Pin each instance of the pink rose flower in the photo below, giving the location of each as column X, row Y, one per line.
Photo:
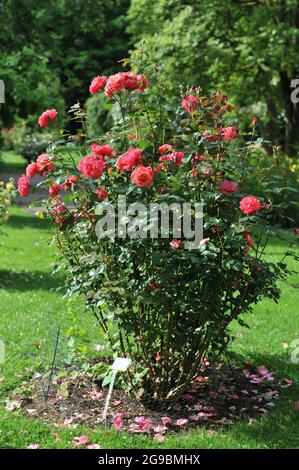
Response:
column 176, row 244
column 190, row 104
column 126, row 161
column 101, row 193
column 31, row 170
column 47, row 116
column 165, row 148
column 142, row 176
column 91, row 166
column 250, row 205
column 101, row 150
column 229, row 133
column 228, row 187
column 44, row 164
column 176, row 157
column 54, row 190
column 97, row 84
column 23, row 186
column 125, row 81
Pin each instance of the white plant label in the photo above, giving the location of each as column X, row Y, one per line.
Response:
column 121, row 364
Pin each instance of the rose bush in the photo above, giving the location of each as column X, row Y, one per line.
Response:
column 165, row 306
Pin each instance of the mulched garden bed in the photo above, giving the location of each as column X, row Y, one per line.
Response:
column 218, row 397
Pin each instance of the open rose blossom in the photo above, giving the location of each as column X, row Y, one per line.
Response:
column 190, row 104
column 47, row 116
column 101, row 193
column 175, row 157
column 23, row 186
column 250, row 205
column 125, row 81
column 175, row 244
column 91, row 166
column 97, row 84
column 229, row 133
column 142, row 176
column 44, row 164
column 54, row 190
column 128, row 160
column 102, row 150
column 228, row 187
column 165, row 148
column 31, row 170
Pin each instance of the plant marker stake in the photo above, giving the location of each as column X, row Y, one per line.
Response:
column 120, row 364
column 53, row 362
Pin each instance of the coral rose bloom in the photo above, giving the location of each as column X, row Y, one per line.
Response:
column 127, row 160
column 44, row 164
column 47, row 116
column 97, row 84
column 125, row 81
column 250, row 205
column 165, row 148
column 142, row 176
column 102, row 150
column 229, row 133
column 228, row 187
column 92, row 167
column 190, row 104
column 23, row 186
column 31, row 170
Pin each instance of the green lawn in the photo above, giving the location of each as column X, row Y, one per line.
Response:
column 11, row 162
column 30, row 311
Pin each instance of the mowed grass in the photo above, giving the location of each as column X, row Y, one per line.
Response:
column 30, row 310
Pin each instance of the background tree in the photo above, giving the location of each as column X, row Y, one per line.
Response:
column 248, row 48
column 55, row 48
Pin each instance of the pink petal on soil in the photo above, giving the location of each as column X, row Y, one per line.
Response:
column 263, row 370
column 80, row 441
column 166, row 420
column 181, row 422
column 159, row 437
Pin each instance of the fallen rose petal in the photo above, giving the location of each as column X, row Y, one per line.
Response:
column 297, row 406
column 263, row 370
column 246, row 372
column 80, row 441
column 159, row 429
column 188, row 397
column 181, row 422
column 159, row 437
column 33, row 446
column 2, row 379
column 166, row 420
column 93, row 446
column 116, row 402
column 263, row 410
column 36, row 376
column 285, row 383
column 94, row 395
